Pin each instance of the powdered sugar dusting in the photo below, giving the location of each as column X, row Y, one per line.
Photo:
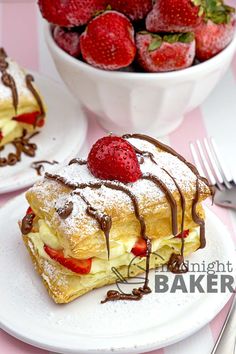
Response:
column 107, row 200
column 19, row 77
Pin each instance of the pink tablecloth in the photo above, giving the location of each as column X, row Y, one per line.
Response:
column 21, row 35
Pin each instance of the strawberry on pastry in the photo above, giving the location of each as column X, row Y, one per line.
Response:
column 113, row 158
column 183, row 234
column 70, row 13
column 32, row 118
column 140, row 248
column 79, row 266
column 174, row 16
column 68, row 40
column 215, row 32
column 108, row 41
column 165, row 53
column 134, row 9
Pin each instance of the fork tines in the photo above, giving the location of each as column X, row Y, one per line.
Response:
column 210, row 164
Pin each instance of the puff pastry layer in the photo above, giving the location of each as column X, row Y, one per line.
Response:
column 80, row 236
column 20, row 101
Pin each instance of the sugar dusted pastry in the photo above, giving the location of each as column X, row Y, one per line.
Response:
column 134, row 202
column 21, row 107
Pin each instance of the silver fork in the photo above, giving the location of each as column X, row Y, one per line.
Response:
column 211, row 165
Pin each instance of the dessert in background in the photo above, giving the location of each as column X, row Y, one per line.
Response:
column 22, row 112
column 159, row 31
column 133, row 205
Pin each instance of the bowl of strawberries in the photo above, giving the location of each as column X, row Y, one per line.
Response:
column 139, row 65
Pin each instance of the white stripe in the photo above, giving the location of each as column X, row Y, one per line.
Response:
column 219, row 112
column 201, row 342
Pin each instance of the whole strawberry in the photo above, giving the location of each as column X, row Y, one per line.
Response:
column 134, row 9
column 108, row 41
column 67, row 40
column 70, row 13
column 174, row 16
column 165, row 53
column 113, row 158
column 216, row 30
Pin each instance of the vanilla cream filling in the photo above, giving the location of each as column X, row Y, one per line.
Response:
column 120, row 254
column 11, row 129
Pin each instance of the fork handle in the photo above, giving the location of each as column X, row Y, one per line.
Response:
column 226, row 340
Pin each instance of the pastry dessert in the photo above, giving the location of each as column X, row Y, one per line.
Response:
column 22, row 110
column 134, row 205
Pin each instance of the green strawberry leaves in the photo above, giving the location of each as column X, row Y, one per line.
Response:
column 157, row 39
column 214, row 10
column 218, row 12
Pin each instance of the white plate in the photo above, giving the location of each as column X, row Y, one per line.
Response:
column 60, row 139
column 86, row 326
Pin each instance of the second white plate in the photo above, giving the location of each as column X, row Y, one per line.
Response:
column 60, row 139
column 86, row 326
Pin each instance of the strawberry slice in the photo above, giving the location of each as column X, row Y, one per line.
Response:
column 30, row 118
column 1, row 136
column 140, row 248
column 80, row 266
column 29, row 211
column 184, row 234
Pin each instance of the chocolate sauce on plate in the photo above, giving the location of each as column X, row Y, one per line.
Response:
column 22, row 146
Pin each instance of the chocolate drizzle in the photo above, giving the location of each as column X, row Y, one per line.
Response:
column 28, row 80
column 176, row 263
column 196, row 217
column 66, row 210
column 168, row 149
column 171, row 151
column 78, row 161
column 27, row 223
column 137, row 294
column 143, row 154
column 104, row 220
column 169, row 197
column 122, row 188
column 22, row 145
column 39, row 165
column 7, row 79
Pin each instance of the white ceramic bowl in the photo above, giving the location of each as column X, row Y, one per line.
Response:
column 139, row 102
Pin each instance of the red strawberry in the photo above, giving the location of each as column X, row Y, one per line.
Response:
column 29, row 211
column 30, row 118
column 134, row 9
column 174, row 16
column 113, row 158
column 167, row 53
column 184, row 234
column 212, row 38
column 1, row 136
column 140, row 248
column 80, row 266
column 108, row 41
column 70, row 13
column 67, row 40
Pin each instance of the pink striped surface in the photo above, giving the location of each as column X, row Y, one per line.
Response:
column 19, row 35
